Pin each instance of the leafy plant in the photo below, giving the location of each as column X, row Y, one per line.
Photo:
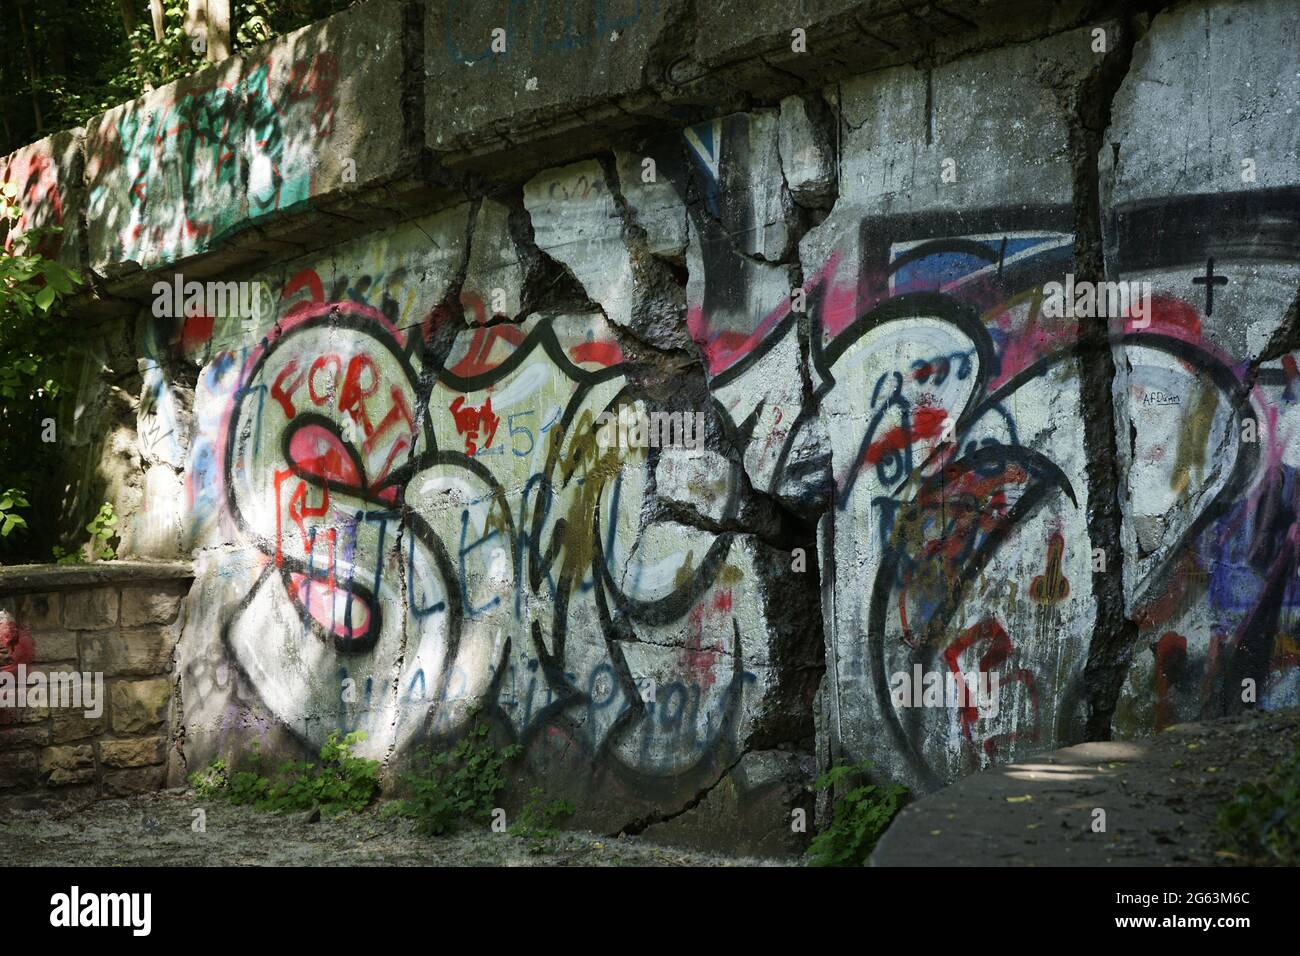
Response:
column 858, row 819
column 538, row 818
column 211, row 781
column 452, row 788
column 343, row 781
column 155, row 61
column 9, row 518
column 1262, row 820
column 31, row 349
column 30, row 282
column 101, row 530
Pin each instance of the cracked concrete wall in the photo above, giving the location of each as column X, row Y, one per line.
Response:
column 1206, row 406
column 397, row 496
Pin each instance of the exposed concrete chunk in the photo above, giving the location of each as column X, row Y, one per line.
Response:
column 155, row 529
column 693, row 479
column 980, row 112
column 655, row 204
column 737, row 158
column 494, row 281
column 807, row 154
column 575, row 221
column 1212, row 84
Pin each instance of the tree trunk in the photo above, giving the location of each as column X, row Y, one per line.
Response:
column 159, row 25
column 196, row 20
column 129, row 20
column 53, row 14
column 32, row 75
column 218, row 30
column 129, row 23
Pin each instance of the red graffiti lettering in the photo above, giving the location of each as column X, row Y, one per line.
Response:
column 469, row 420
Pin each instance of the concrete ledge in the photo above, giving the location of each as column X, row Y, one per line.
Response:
column 27, row 578
column 199, row 164
column 376, row 113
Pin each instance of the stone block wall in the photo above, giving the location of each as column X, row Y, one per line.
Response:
column 116, row 626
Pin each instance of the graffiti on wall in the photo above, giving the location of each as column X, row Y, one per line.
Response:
column 431, row 528
column 34, row 172
column 433, row 535
column 950, row 400
column 204, row 162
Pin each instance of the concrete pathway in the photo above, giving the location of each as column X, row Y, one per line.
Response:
column 1160, row 799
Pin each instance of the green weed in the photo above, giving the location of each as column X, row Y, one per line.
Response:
column 859, row 817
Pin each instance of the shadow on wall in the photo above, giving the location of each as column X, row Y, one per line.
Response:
column 180, row 170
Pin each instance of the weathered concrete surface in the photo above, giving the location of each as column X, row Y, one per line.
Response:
column 48, row 175
column 1160, row 798
column 547, row 72
column 22, row 578
column 955, row 183
column 393, row 485
column 306, row 121
column 1201, row 165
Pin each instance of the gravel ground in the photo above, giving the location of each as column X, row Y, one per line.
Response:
column 155, row 830
column 1160, row 797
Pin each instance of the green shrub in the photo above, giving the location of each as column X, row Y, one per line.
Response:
column 10, row 501
column 450, row 789
column 859, row 817
column 35, row 343
column 1262, row 820
column 343, row 781
column 538, row 817
column 211, row 781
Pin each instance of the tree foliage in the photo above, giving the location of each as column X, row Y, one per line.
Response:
column 65, row 61
column 33, row 349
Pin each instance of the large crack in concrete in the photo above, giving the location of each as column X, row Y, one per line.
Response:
column 642, row 823
column 1114, row 633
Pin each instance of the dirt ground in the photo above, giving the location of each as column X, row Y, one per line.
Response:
column 1161, row 797
column 156, row 830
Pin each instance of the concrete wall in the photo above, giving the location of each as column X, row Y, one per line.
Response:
column 391, row 487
